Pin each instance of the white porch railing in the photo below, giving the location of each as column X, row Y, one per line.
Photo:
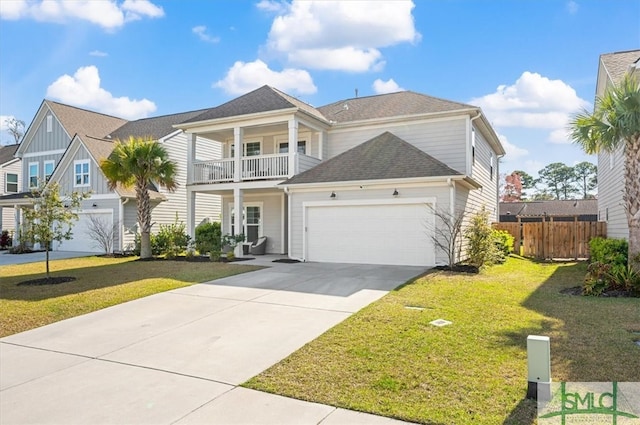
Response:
column 259, row 167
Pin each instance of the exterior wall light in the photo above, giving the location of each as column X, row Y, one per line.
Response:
column 395, row 192
column 333, row 195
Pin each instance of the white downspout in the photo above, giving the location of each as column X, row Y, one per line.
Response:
column 286, row 190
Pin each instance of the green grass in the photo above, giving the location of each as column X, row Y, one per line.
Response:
column 388, row 360
column 100, row 282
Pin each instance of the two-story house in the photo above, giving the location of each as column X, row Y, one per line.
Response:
column 611, row 206
column 66, row 144
column 10, row 172
column 356, row 181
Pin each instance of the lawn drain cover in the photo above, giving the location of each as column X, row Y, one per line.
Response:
column 413, row 307
column 440, row 323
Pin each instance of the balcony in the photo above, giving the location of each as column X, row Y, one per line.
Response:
column 259, row 167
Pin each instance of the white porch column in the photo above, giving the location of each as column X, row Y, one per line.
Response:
column 238, row 210
column 17, row 233
column 293, row 147
column 191, row 213
column 322, row 136
column 191, row 156
column 237, row 142
column 1, row 213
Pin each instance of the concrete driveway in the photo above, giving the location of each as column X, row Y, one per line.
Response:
column 33, row 257
column 178, row 357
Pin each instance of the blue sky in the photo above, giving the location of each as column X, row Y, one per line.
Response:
column 528, row 64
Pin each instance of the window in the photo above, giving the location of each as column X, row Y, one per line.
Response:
column 49, row 123
column 11, row 181
column 81, row 173
column 33, row 175
column 249, row 148
column 48, row 169
column 284, row 147
column 252, row 224
column 606, row 213
column 473, row 146
column 491, row 167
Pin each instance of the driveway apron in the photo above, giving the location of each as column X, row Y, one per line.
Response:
column 179, row 356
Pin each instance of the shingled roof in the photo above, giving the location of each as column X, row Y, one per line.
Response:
column 388, row 105
column 384, row 157
column 617, row 64
column 550, row 208
column 83, row 122
column 156, row 127
column 6, row 153
column 264, row 99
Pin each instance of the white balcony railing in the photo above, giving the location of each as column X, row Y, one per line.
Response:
column 259, row 167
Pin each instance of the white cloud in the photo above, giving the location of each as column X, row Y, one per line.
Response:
column 513, row 151
column 106, row 13
column 344, row 35
column 560, row 135
column 83, row 90
column 389, row 86
column 533, row 101
column 246, row 76
column 98, row 53
column 3, row 121
column 273, row 6
column 201, row 32
column 572, row 7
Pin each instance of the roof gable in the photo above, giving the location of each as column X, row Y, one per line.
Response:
column 155, row 127
column 388, row 105
column 264, row 99
column 384, row 157
column 84, row 122
column 7, row 153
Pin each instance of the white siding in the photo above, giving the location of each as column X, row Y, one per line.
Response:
column 297, row 198
column 130, row 225
column 272, row 218
column 207, row 205
column 444, row 139
column 481, row 172
column 610, row 193
column 7, row 214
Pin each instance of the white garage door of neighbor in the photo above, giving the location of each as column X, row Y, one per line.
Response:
column 371, row 234
column 80, row 240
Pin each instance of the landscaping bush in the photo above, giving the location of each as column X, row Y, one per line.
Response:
column 504, row 243
column 6, row 240
column 208, row 237
column 170, row 240
column 482, row 249
column 610, row 251
column 608, row 269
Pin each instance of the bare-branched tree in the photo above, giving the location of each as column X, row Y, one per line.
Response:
column 102, row 232
column 447, row 233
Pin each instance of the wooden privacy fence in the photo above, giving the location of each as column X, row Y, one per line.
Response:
column 554, row 239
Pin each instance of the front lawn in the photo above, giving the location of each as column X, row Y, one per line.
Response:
column 100, row 282
column 388, row 360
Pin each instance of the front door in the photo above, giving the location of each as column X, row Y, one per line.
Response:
column 251, row 223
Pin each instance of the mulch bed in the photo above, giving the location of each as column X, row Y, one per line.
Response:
column 459, row 268
column 577, row 290
column 50, row 281
column 285, row 260
column 196, row 259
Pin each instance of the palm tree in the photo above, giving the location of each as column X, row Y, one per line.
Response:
column 615, row 124
column 140, row 162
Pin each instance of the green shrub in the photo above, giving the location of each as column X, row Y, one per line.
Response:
column 597, row 279
column 625, row 278
column 504, row 242
column 6, row 240
column 609, row 251
column 208, row 237
column 481, row 248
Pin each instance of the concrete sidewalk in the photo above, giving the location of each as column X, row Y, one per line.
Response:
column 178, row 357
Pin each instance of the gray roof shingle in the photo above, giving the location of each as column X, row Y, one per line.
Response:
column 6, row 153
column 551, row 208
column 384, row 157
column 264, row 99
column 84, row 122
column 617, row 64
column 388, row 105
column 156, row 127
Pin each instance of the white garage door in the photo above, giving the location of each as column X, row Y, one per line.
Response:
column 371, row 234
column 81, row 241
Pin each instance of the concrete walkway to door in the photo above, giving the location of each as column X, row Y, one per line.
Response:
column 179, row 356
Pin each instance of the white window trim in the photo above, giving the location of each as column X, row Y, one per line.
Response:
column 6, row 182
column 79, row 162
column 29, row 175
column 44, row 168
column 244, row 146
column 306, row 146
column 302, row 137
column 244, row 208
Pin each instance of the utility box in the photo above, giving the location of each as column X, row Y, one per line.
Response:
column 539, row 367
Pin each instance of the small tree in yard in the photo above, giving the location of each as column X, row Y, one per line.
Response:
column 481, row 248
column 446, row 235
column 49, row 219
column 102, row 232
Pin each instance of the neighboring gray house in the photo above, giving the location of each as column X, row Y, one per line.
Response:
column 66, row 144
column 10, row 180
column 611, row 70
column 355, row 181
column 555, row 210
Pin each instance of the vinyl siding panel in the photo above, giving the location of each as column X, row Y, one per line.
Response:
column 7, row 214
column 481, row 172
column 444, row 139
column 98, row 183
column 610, row 193
column 272, row 218
column 129, row 225
column 207, row 205
column 42, row 140
column 298, row 198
